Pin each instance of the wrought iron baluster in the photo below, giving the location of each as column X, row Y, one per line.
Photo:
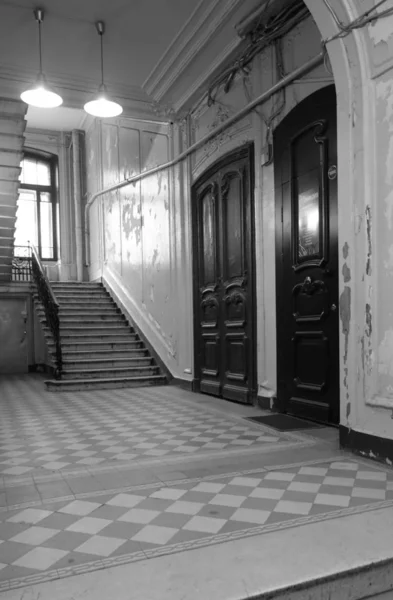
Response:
column 50, row 304
column 21, row 264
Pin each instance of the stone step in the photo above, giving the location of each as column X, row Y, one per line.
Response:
column 7, row 221
column 10, row 175
column 7, row 211
column 100, row 355
column 7, row 232
column 105, row 363
column 100, row 336
column 111, row 373
column 76, row 287
column 71, row 345
column 6, row 242
column 12, row 108
column 7, row 251
column 88, row 300
column 74, row 312
column 64, row 385
column 10, row 125
column 11, row 141
column 9, row 189
column 92, row 320
column 11, row 158
column 5, row 267
column 82, row 296
column 96, row 330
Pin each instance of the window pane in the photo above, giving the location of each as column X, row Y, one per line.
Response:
column 26, row 219
column 46, row 226
column 308, row 207
column 29, row 171
column 43, row 173
column 35, row 172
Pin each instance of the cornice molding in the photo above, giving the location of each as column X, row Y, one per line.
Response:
column 207, row 19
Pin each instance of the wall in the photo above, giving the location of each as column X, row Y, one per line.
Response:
column 301, row 44
column 134, row 243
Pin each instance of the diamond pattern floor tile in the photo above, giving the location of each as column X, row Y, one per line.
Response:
column 91, row 431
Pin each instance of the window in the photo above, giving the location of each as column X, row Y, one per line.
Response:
column 36, row 217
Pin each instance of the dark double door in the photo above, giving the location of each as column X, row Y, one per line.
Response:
column 305, row 163
column 223, row 279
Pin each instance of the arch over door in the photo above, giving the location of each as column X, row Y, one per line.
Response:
column 305, row 163
column 224, row 279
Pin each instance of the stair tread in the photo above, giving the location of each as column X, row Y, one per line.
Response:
column 104, row 379
column 114, row 369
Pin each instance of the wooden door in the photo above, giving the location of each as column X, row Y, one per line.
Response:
column 305, row 163
column 223, row 277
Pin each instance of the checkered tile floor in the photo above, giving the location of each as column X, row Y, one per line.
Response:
column 42, row 432
column 104, row 529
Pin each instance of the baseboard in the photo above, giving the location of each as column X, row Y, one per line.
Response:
column 164, row 369
column 185, row 384
column 365, row 444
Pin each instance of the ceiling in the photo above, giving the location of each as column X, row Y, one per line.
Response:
column 137, row 34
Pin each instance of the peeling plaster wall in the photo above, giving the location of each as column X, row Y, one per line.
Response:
column 133, row 241
column 298, row 46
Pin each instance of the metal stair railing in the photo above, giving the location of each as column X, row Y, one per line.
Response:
column 50, row 304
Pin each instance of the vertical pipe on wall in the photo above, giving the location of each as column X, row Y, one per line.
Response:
column 77, row 192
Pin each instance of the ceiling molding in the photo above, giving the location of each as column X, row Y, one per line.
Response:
column 208, row 18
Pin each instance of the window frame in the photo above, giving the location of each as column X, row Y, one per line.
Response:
column 52, row 161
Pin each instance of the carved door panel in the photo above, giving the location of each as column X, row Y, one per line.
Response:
column 305, row 149
column 223, row 250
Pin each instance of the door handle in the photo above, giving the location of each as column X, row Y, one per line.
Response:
column 333, row 308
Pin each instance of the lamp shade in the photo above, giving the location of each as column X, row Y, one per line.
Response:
column 41, row 95
column 102, row 107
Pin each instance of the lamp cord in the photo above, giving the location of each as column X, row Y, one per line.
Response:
column 39, row 43
column 102, row 60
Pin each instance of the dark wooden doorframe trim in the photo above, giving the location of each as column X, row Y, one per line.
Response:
column 241, row 152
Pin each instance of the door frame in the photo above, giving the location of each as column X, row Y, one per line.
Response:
column 279, row 270
column 246, row 150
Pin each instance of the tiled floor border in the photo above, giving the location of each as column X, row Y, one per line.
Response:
column 257, row 449
column 176, row 482
column 183, row 546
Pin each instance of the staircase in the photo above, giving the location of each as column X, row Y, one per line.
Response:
column 100, row 350
column 12, row 127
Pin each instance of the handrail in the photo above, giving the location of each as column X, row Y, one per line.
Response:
column 286, row 80
column 50, row 304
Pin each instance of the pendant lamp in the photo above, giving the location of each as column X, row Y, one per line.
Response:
column 101, row 106
column 40, row 93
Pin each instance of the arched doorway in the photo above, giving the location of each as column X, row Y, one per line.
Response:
column 305, row 165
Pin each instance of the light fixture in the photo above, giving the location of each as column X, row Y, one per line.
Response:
column 40, row 94
column 101, row 106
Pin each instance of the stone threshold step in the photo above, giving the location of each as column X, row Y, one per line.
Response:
column 372, row 581
column 110, row 383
